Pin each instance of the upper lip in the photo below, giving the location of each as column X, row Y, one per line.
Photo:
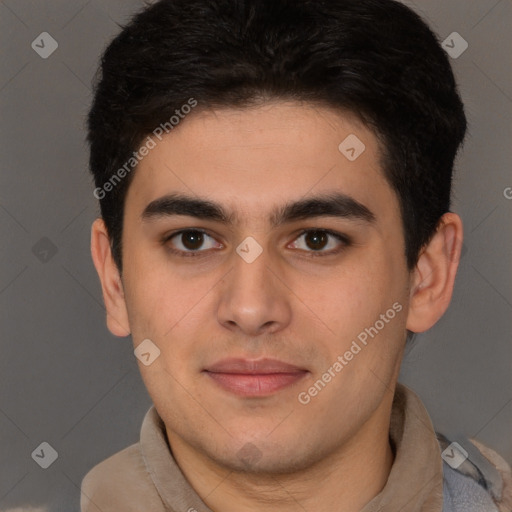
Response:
column 251, row 366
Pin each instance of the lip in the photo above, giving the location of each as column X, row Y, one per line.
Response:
column 246, row 377
column 252, row 366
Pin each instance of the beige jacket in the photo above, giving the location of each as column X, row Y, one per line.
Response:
column 144, row 477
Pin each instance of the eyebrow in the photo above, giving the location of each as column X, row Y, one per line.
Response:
column 325, row 205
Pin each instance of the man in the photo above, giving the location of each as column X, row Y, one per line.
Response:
column 274, row 180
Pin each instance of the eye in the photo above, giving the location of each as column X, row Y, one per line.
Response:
column 317, row 240
column 191, row 241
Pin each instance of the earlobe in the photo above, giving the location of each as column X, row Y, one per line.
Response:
column 111, row 284
column 434, row 276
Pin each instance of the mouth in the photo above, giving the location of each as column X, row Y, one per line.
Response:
column 256, row 378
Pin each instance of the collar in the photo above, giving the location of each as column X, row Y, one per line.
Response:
column 415, row 483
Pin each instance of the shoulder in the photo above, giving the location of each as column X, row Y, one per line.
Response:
column 474, row 476
column 121, row 480
column 505, row 472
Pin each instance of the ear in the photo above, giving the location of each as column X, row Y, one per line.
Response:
column 111, row 284
column 434, row 275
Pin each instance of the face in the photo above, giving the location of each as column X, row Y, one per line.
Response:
column 279, row 306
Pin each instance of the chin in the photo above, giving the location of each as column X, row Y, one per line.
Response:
column 268, row 458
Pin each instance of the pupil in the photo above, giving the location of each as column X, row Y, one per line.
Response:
column 316, row 240
column 193, row 239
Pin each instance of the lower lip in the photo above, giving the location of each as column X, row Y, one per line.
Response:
column 255, row 385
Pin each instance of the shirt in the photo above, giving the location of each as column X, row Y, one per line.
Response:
column 144, row 477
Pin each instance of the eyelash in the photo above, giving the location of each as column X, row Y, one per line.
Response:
column 345, row 240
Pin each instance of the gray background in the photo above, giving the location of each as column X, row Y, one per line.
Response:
column 65, row 380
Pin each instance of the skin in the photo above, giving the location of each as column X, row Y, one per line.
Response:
column 289, row 305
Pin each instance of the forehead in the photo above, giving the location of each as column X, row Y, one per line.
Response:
column 251, row 158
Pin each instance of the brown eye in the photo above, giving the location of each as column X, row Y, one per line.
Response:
column 192, row 240
column 316, row 240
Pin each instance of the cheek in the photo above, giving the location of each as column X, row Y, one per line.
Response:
column 352, row 301
column 156, row 291
column 351, row 296
column 172, row 311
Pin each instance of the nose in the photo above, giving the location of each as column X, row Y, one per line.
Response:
column 253, row 298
